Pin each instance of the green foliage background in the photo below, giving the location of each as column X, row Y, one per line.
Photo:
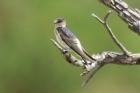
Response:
column 29, row 63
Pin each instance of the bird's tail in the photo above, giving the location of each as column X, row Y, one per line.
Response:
column 88, row 54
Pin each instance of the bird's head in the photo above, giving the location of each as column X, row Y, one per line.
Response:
column 60, row 22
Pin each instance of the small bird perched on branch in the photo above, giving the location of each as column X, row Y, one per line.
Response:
column 67, row 39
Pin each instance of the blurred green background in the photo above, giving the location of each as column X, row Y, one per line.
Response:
column 29, row 63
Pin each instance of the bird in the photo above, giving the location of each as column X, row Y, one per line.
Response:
column 69, row 40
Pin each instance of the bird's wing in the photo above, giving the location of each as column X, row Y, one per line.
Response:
column 75, row 42
column 60, row 41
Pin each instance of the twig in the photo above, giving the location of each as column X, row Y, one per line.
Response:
column 91, row 74
column 114, row 38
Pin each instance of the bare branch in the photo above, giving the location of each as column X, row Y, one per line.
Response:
column 128, row 14
column 114, row 38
